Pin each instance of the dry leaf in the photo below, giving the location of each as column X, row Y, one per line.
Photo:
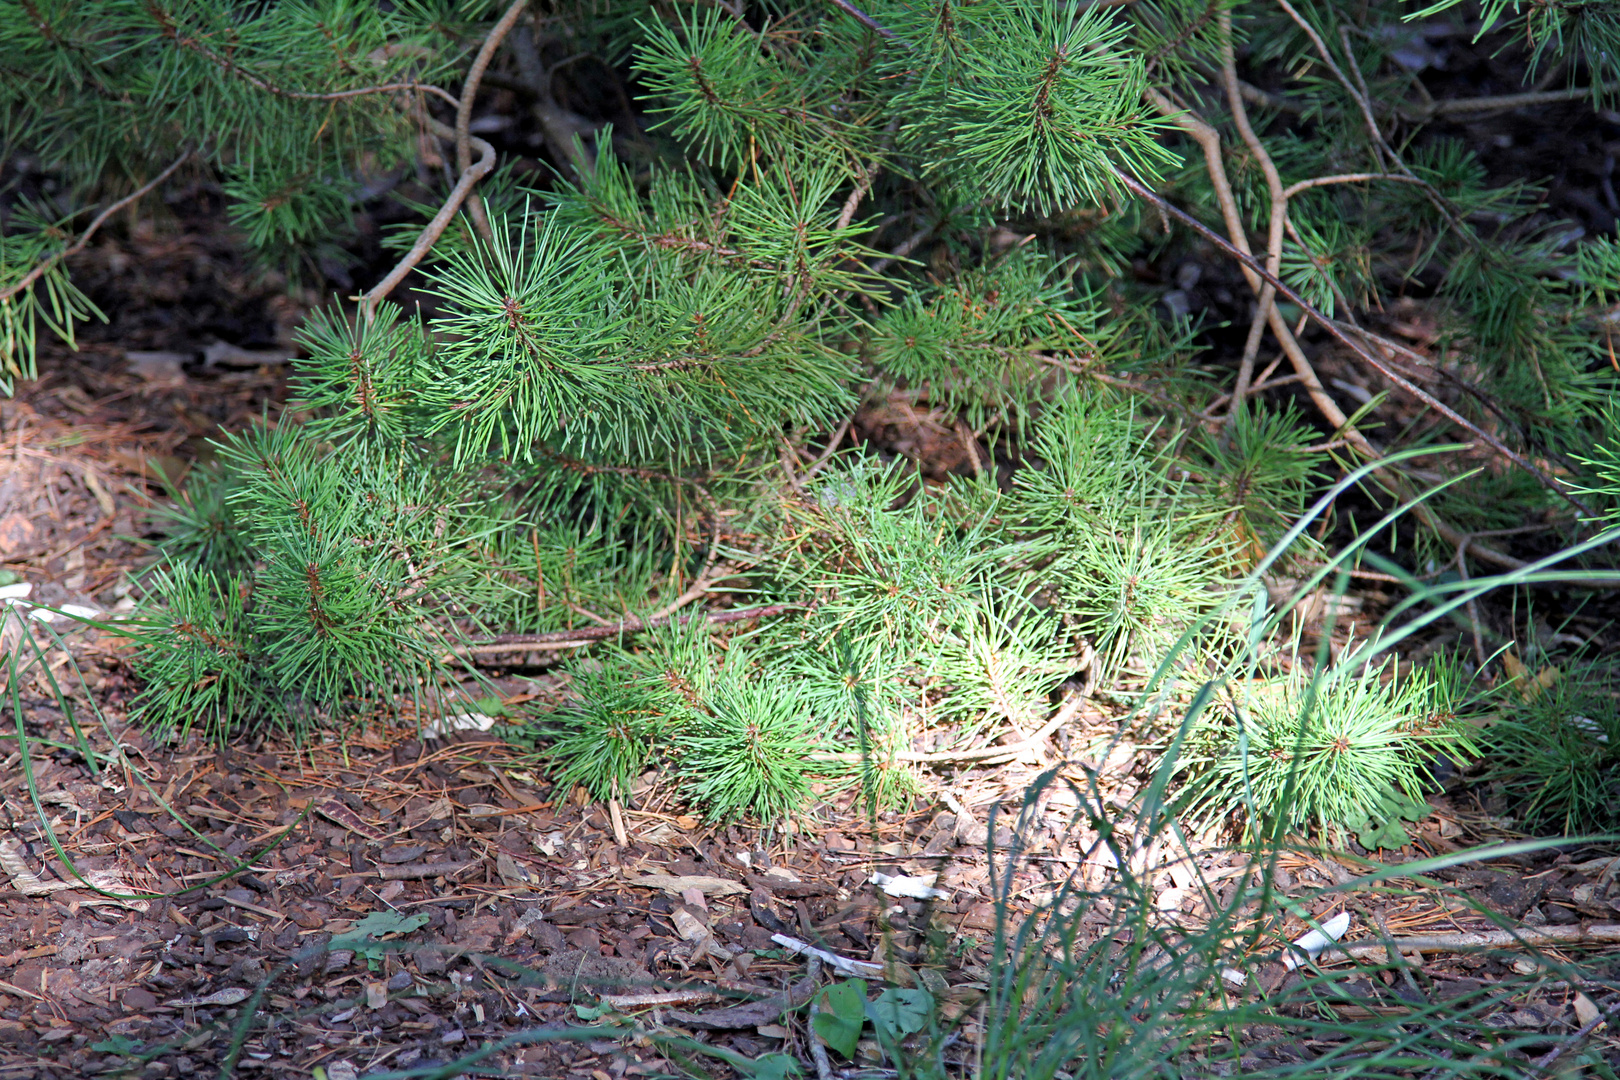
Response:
column 1585, row 1011
column 675, row 886
column 231, row 995
column 15, row 863
column 512, row 872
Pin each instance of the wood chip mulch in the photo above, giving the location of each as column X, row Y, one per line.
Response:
column 383, row 901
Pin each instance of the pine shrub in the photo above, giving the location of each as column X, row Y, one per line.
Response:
column 626, row 388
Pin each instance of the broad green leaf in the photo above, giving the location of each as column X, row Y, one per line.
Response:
column 840, row 1015
column 1391, row 834
column 898, row 1011
column 775, row 1067
column 378, row 924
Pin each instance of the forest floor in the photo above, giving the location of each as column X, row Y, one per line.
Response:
column 389, row 900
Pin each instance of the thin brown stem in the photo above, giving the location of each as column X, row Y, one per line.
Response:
column 435, row 228
column 363, row 91
column 469, row 91
column 1574, row 1038
column 1209, row 141
column 1472, row 606
column 1279, row 215
column 569, row 639
column 1358, row 92
column 853, row 203
column 1345, row 178
column 1362, row 103
column 832, row 448
column 1343, row 336
column 1320, row 397
column 258, row 83
column 43, row 267
column 1511, row 101
column 866, row 20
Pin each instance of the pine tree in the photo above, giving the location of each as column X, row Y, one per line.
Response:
column 631, row 388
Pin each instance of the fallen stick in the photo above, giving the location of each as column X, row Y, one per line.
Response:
column 1532, row 936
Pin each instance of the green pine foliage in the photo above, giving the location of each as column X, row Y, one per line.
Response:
column 628, row 388
column 1341, row 749
column 1556, row 754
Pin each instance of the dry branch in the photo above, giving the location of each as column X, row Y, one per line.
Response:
column 1535, row 937
column 45, row 264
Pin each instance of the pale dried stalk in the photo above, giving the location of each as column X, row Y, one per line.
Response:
column 435, row 228
column 1209, row 140
column 1536, row 937
column 469, row 90
column 471, row 171
column 1344, row 178
column 1279, row 218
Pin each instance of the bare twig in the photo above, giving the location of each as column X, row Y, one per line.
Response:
column 832, row 448
column 1363, row 99
column 1533, row 937
column 1428, row 110
column 1510, row 101
column 43, row 267
column 1343, row 336
column 1279, row 217
column 1574, row 1038
column 569, row 639
column 910, row 244
column 231, row 67
column 866, row 20
column 853, row 203
column 818, row 1054
column 435, row 228
column 555, row 122
column 1209, row 141
column 1363, row 103
column 1345, row 178
column 469, row 91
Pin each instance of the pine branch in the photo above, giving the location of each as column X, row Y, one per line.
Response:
column 1248, row 262
column 1358, row 93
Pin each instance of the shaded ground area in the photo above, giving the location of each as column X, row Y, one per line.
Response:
column 403, row 900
